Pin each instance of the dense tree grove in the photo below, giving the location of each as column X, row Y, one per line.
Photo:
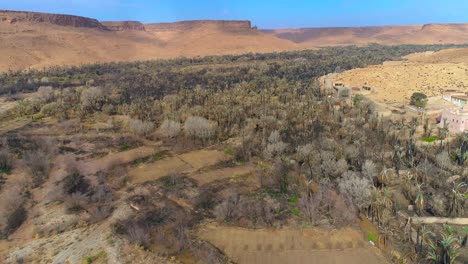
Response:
column 325, row 159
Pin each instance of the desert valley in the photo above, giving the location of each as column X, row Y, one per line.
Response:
column 214, row 141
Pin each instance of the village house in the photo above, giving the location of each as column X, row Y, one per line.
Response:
column 456, row 118
column 452, row 96
column 460, row 100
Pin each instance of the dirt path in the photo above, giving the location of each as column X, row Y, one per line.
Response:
column 440, row 220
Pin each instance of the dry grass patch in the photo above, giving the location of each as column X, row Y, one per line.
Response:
column 225, row 173
column 291, row 245
column 203, row 158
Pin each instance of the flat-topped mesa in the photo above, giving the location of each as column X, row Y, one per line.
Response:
column 61, row 20
column 226, row 25
column 441, row 27
column 124, row 25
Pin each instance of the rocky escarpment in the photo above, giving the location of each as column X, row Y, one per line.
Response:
column 61, row 20
column 226, row 25
column 124, row 25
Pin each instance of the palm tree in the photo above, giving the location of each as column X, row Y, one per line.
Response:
column 459, row 195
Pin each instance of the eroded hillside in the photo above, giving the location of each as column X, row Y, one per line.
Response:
column 36, row 40
column 387, row 35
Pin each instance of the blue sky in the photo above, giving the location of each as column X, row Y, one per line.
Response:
column 265, row 14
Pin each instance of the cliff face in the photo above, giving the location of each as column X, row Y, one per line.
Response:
column 124, row 25
column 227, row 25
column 61, row 20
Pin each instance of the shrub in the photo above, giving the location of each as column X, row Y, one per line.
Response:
column 199, row 127
column 100, row 213
column 419, row 100
column 169, row 128
column 92, row 99
column 275, row 146
column 75, row 183
column 39, row 166
column 12, row 211
column 52, row 109
column 75, row 202
column 46, row 93
column 6, row 161
column 137, row 233
column 140, row 128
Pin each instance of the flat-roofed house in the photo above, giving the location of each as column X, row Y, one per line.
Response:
column 448, row 94
column 456, row 118
column 460, row 99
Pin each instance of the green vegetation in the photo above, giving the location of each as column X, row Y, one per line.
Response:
column 371, row 237
column 430, row 139
column 419, row 100
column 90, row 259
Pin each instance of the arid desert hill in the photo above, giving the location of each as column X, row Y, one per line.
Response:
column 387, row 35
column 37, row 40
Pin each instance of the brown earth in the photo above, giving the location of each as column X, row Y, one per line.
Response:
column 124, row 25
column 35, row 40
column 289, row 245
column 388, row 35
column 38, row 40
column 429, row 73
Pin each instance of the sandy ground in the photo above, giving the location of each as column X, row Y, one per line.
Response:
column 429, row 73
column 184, row 163
column 387, row 35
column 24, row 45
column 292, row 245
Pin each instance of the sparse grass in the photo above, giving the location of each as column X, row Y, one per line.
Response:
column 430, row 139
column 372, row 237
column 90, row 259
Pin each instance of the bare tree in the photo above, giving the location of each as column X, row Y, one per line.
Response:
column 169, row 128
column 46, row 93
column 358, row 188
column 275, row 146
column 199, row 127
column 140, row 128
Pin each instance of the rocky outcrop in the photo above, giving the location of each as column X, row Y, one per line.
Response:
column 124, row 25
column 445, row 27
column 61, row 20
column 226, row 25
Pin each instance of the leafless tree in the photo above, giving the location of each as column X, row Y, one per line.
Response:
column 169, row 128
column 199, row 127
column 140, row 128
column 275, row 146
column 356, row 187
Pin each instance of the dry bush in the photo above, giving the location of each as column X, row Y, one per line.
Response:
column 92, row 99
column 199, row 127
column 140, row 128
column 275, row 147
column 12, row 211
column 39, row 166
column 310, row 206
column 102, row 194
column 257, row 211
column 100, row 213
column 75, row 183
column 46, row 93
column 357, row 188
column 75, row 202
column 137, row 233
column 277, row 178
column 169, row 128
column 317, row 206
column 6, row 160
